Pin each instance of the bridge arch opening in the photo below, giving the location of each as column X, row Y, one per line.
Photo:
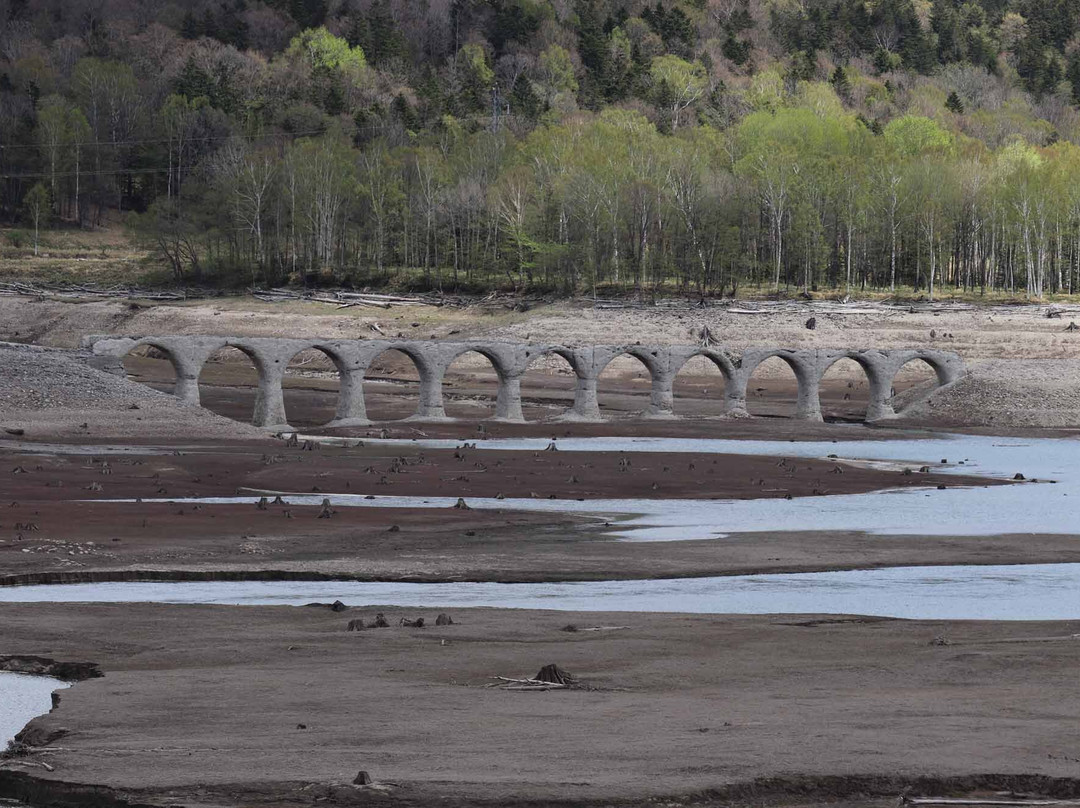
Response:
column 547, row 387
column 624, row 387
column 844, row 391
column 914, row 380
column 229, row 383
column 151, row 365
column 391, row 386
column 698, row 389
column 311, row 388
column 772, row 391
column 471, row 386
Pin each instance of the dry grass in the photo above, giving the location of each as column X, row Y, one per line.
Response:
column 103, row 256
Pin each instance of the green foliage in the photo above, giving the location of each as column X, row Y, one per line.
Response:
column 655, row 142
column 556, row 73
column 474, row 79
column 322, row 51
column 912, row 135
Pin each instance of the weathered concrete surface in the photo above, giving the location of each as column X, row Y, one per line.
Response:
column 510, row 360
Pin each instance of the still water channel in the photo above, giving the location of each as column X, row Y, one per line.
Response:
column 21, row 698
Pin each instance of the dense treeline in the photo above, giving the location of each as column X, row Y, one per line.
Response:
column 698, row 144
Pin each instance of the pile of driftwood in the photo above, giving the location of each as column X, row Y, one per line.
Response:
column 843, row 306
column 14, row 289
column 342, row 299
column 550, row 677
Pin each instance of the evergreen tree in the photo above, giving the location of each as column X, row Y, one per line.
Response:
column 190, row 27
column 840, row 83
column 737, row 50
column 524, row 101
column 954, row 104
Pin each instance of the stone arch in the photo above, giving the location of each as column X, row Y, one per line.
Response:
column 159, row 372
column 907, row 387
column 231, row 389
column 549, row 389
column 464, row 403
column 564, row 353
column 700, row 382
column 390, row 385
column 848, row 399
column 773, row 397
column 318, row 401
column 627, row 396
column 497, row 361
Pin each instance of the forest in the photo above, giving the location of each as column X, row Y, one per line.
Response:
column 696, row 147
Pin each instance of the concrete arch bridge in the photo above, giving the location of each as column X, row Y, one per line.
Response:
column 271, row 356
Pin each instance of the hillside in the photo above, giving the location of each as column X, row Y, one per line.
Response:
column 697, row 145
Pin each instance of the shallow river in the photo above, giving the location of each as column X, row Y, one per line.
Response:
column 1014, row 592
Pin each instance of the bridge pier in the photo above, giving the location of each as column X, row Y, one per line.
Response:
column 270, row 400
column 586, row 408
column 662, row 395
column 351, row 408
column 808, row 405
column 879, row 408
column 508, row 400
column 430, row 407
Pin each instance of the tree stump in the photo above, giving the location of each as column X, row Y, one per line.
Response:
column 555, row 675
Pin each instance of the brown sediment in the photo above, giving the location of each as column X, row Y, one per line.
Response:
column 793, row 791
column 58, row 524
column 224, row 469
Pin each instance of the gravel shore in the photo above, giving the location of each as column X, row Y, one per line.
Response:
column 49, row 393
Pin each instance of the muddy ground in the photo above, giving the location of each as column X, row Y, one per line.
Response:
column 58, row 523
column 204, row 705
column 214, row 706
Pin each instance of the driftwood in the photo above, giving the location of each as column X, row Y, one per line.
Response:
column 342, row 299
column 506, row 683
column 35, row 764
column 550, row 677
column 79, row 290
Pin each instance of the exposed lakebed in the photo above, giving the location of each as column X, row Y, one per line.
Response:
column 1051, row 505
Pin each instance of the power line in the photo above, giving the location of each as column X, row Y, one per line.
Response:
column 121, row 143
column 118, row 143
column 90, row 173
